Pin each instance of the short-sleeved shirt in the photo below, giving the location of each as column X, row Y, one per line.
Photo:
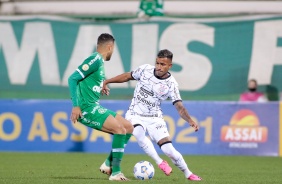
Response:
column 253, row 97
column 93, row 74
column 150, row 91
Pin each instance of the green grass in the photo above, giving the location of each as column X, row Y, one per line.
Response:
column 83, row 168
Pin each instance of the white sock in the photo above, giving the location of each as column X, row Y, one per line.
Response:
column 146, row 144
column 176, row 158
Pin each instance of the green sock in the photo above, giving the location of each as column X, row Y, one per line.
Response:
column 117, row 152
column 109, row 160
column 127, row 137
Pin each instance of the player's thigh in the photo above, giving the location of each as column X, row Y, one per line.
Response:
column 111, row 125
column 126, row 124
column 95, row 116
column 157, row 130
column 135, row 120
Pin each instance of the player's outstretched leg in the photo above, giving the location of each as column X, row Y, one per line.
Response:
column 165, row 168
column 148, row 147
column 178, row 161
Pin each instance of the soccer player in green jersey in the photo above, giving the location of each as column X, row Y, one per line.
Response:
column 85, row 85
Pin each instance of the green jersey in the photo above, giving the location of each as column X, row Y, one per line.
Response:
column 87, row 81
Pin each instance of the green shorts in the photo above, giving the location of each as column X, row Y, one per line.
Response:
column 95, row 116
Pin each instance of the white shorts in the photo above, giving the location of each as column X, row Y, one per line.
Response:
column 154, row 126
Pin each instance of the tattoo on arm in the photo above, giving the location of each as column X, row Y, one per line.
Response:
column 182, row 111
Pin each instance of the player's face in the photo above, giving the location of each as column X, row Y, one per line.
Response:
column 110, row 47
column 252, row 84
column 162, row 66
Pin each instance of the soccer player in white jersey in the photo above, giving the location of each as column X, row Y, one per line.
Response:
column 154, row 85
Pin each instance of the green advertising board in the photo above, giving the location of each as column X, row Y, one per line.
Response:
column 213, row 58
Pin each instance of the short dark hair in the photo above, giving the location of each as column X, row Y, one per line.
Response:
column 165, row 54
column 105, row 37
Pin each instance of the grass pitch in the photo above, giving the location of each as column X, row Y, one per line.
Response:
column 61, row 168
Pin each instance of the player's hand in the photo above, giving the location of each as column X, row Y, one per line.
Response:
column 75, row 114
column 194, row 125
column 105, row 90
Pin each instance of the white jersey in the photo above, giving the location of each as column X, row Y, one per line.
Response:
column 150, row 91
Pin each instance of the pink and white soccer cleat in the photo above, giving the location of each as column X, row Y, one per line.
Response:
column 165, row 168
column 194, row 177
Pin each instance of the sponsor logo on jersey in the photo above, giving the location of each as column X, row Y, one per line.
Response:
column 244, row 130
column 147, row 92
column 94, row 109
column 102, row 110
column 152, row 104
column 85, row 67
column 93, row 60
column 86, row 120
column 95, row 123
column 97, row 89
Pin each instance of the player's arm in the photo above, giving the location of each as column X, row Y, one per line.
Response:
column 177, row 102
column 133, row 75
column 185, row 115
column 73, row 81
column 120, row 78
column 117, row 79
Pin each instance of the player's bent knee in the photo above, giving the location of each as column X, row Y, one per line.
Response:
column 119, row 130
column 170, row 151
column 163, row 141
column 130, row 129
column 160, row 143
column 127, row 125
column 111, row 125
column 141, row 141
column 139, row 131
column 114, row 130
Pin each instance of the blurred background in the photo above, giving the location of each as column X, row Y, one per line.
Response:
column 218, row 45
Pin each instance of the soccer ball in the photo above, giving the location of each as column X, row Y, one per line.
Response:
column 143, row 170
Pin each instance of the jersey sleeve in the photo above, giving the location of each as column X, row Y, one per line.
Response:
column 137, row 73
column 174, row 93
column 73, row 81
column 89, row 65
